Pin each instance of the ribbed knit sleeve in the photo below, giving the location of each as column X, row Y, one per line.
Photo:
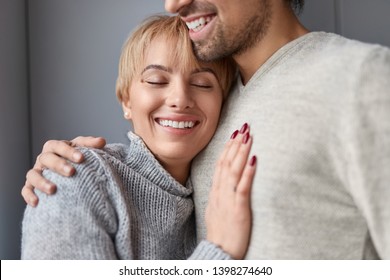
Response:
column 120, row 204
column 209, row 251
column 78, row 222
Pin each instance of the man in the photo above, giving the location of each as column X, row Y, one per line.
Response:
column 318, row 106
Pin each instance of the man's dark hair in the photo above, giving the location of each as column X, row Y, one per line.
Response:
column 297, row 5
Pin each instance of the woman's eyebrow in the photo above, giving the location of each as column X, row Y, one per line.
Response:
column 204, row 69
column 157, row 67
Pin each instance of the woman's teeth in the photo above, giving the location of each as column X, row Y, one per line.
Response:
column 176, row 124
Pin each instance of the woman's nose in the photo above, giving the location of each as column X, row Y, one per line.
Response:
column 180, row 97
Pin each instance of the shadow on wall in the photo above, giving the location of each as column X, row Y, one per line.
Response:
column 14, row 124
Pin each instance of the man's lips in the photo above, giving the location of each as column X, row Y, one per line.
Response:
column 197, row 23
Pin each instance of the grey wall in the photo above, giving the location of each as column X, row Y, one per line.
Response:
column 363, row 20
column 366, row 20
column 14, row 124
column 73, row 52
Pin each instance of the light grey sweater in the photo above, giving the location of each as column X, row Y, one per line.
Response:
column 319, row 111
column 121, row 204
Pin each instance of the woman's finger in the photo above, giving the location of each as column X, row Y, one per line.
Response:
column 244, row 186
column 239, row 162
column 235, row 161
column 221, row 162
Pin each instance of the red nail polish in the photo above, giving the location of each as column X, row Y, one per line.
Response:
column 246, row 138
column 253, row 161
column 244, row 128
column 234, row 135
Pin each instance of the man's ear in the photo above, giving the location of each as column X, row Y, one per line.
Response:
column 126, row 106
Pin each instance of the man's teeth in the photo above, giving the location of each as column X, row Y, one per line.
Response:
column 198, row 24
column 176, row 124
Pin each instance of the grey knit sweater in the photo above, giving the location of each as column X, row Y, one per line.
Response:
column 121, row 204
column 319, row 111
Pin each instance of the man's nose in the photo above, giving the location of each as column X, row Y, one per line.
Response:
column 174, row 6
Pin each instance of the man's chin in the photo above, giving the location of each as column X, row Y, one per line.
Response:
column 205, row 53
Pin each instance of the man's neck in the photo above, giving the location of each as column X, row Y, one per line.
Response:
column 284, row 28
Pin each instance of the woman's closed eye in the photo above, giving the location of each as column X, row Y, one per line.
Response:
column 155, row 82
column 202, row 85
column 203, row 80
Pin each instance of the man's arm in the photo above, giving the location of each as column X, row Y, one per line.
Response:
column 367, row 129
column 55, row 156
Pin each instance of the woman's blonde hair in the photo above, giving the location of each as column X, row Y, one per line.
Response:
column 174, row 30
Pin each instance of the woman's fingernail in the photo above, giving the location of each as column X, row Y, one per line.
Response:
column 246, row 138
column 253, row 161
column 234, row 135
column 244, row 128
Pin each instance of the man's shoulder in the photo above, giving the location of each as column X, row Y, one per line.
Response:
column 336, row 52
column 342, row 46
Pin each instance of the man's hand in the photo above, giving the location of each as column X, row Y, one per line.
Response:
column 55, row 155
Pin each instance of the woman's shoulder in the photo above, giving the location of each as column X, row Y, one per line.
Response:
column 88, row 177
column 89, row 190
column 133, row 149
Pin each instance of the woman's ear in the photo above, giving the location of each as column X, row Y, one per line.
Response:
column 126, row 109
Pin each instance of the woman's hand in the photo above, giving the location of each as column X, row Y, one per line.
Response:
column 55, row 155
column 228, row 213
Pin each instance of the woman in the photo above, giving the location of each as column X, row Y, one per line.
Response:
column 134, row 201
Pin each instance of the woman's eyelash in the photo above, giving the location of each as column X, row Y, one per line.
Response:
column 205, row 86
column 202, row 86
column 156, row 83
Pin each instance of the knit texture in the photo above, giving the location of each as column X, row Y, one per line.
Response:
column 319, row 111
column 121, row 204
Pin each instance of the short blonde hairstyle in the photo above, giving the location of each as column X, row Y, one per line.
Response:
column 174, row 30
